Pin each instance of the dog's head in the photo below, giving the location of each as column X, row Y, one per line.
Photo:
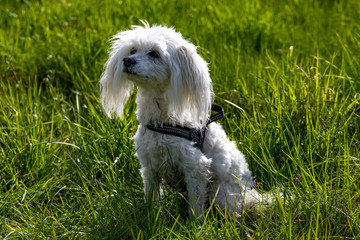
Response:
column 160, row 60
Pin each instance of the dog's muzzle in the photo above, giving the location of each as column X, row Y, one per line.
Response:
column 128, row 64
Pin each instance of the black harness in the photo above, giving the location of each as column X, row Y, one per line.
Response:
column 196, row 135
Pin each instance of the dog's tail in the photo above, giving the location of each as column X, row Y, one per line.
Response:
column 251, row 201
column 254, row 201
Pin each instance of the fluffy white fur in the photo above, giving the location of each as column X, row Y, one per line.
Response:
column 174, row 86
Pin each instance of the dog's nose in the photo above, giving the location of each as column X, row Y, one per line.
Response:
column 128, row 61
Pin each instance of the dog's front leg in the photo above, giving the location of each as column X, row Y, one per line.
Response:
column 196, row 176
column 152, row 188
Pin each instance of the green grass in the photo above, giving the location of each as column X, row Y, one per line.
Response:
column 286, row 72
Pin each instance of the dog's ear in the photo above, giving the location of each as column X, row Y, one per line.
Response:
column 190, row 91
column 115, row 87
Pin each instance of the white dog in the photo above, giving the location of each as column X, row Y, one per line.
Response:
column 174, row 94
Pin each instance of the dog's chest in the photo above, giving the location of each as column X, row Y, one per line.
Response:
column 158, row 152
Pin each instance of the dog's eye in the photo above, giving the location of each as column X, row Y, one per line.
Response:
column 132, row 51
column 154, row 54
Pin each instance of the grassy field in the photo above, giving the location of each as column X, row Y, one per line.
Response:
column 286, row 72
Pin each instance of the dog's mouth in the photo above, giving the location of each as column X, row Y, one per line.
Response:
column 128, row 70
column 132, row 74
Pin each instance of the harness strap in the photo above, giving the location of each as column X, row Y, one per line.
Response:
column 196, row 135
column 218, row 115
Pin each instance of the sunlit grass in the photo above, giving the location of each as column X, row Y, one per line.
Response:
column 286, row 73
